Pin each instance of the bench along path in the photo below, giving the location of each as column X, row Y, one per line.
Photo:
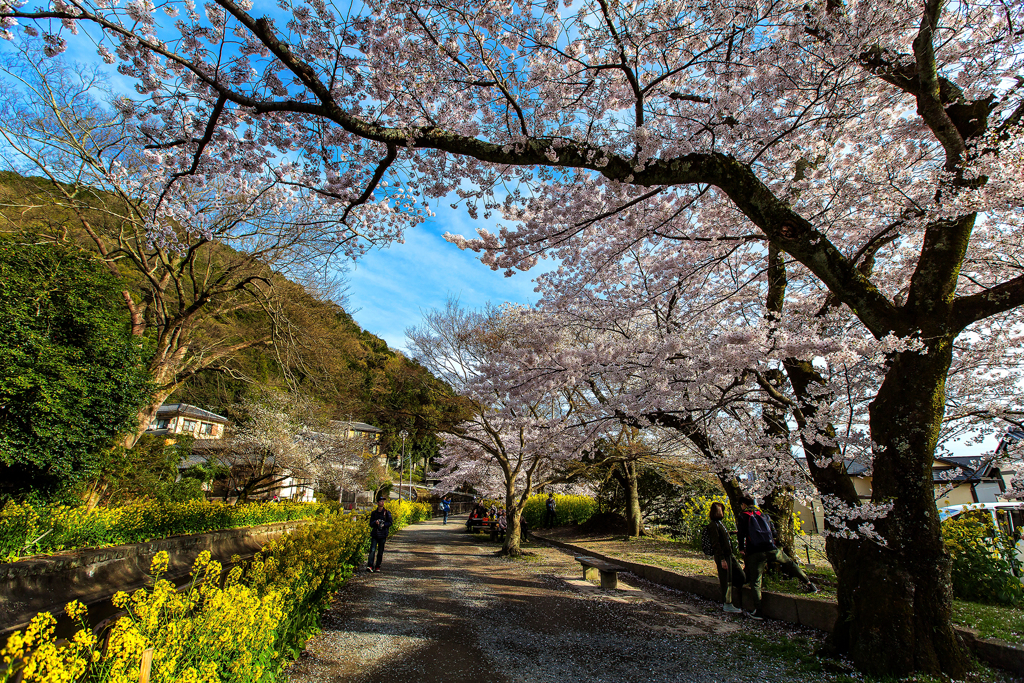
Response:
column 445, row 608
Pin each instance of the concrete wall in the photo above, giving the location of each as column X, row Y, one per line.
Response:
column 960, row 495
column 48, row 583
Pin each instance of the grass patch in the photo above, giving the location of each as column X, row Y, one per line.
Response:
column 991, row 621
column 801, row 654
column 804, row 655
column 784, row 584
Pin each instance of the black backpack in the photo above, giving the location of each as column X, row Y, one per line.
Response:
column 760, row 535
column 706, row 545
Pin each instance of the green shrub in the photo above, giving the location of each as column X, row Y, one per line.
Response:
column 32, row 530
column 984, row 560
column 568, row 510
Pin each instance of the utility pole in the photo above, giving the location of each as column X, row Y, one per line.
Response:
column 404, row 434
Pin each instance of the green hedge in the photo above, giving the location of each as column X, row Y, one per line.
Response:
column 568, row 510
column 28, row 530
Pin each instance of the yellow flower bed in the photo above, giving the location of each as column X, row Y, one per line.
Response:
column 568, row 509
column 404, row 513
column 26, row 530
column 241, row 629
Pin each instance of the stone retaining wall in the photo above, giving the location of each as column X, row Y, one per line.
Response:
column 816, row 613
column 49, row 582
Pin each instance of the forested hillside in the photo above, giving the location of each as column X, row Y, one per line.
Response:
column 222, row 324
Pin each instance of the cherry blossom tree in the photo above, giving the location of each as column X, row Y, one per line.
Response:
column 876, row 145
column 518, row 437
column 199, row 267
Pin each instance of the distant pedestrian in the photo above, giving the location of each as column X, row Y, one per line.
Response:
column 549, row 511
column 730, row 575
column 446, row 507
column 380, row 523
column 756, row 535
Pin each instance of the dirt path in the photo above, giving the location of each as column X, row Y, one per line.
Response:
column 446, row 609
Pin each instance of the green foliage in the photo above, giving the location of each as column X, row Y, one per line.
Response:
column 151, row 470
column 984, row 560
column 568, row 510
column 694, row 516
column 71, row 374
column 33, row 530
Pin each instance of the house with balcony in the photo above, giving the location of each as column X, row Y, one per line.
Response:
column 172, row 419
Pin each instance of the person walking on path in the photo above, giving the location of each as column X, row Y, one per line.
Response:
column 549, row 512
column 756, row 536
column 446, row 507
column 380, row 523
column 730, row 575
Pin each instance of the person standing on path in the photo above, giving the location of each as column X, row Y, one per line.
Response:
column 730, row 575
column 549, row 512
column 756, row 536
column 380, row 523
column 446, row 507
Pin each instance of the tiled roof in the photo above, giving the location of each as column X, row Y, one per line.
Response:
column 356, row 426
column 188, row 410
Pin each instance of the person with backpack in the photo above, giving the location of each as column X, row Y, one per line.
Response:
column 446, row 507
column 756, row 536
column 730, row 575
column 549, row 512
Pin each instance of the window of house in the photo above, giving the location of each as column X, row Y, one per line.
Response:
column 160, row 423
column 188, row 426
column 207, row 428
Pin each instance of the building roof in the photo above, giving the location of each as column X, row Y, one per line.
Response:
column 356, row 426
column 188, row 410
column 972, row 468
column 857, row 469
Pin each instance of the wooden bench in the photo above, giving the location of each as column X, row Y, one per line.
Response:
column 477, row 523
column 609, row 572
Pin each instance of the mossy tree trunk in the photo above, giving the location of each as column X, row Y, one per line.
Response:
column 625, row 472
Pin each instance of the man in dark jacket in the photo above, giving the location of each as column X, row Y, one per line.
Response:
column 380, row 523
column 730, row 575
column 549, row 511
column 756, row 536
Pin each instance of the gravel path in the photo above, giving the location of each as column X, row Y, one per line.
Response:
column 445, row 608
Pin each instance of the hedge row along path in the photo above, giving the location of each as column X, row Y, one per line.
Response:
column 445, row 608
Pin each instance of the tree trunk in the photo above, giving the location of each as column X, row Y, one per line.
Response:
column 901, row 597
column 779, row 507
column 94, row 494
column 626, row 474
column 148, row 413
column 733, row 491
column 895, row 602
column 513, row 518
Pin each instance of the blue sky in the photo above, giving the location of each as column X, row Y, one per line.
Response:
column 389, row 289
